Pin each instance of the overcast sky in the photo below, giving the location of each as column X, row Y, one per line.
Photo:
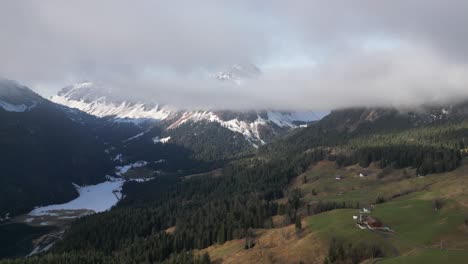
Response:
column 314, row 55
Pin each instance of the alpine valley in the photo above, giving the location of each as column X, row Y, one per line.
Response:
column 233, row 132
column 88, row 177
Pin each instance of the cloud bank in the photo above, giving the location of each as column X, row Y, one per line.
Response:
column 314, row 55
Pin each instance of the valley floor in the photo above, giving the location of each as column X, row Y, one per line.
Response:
column 428, row 217
column 43, row 226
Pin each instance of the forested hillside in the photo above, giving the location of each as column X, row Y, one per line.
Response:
column 204, row 210
column 162, row 219
column 43, row 153
column 389, row 137
column 209, row 141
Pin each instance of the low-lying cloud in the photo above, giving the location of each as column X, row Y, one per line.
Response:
column 314, row 55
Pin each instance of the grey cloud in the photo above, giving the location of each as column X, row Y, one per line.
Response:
column 166, row 50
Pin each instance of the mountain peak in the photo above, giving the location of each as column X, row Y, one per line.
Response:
column 77, row 86
column 85, row 91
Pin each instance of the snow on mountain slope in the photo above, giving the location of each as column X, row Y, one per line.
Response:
column 101, row 103
column 249, row 129
column 121, row 170
column 86, row 97
column 16, row 108
column 157, row 140
column 288, row 119
column 137, row 136
column 17, row 98
column 101, row 108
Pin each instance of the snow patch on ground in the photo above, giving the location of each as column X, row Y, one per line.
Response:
column 16, row 108
column 98, row 198
column 38, row 249
column 157, row 140
column 118, row 157
column 141, row 179
column 121, row 170
column 137, row 136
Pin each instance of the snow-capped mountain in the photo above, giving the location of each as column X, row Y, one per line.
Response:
column 95, row 101
column 17, row 98
column 254, row 125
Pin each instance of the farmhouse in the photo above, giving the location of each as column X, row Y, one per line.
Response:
column 373, row 223
column 366, row 221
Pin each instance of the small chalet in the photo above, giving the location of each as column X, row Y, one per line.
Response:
column 373, row 223
column 366, row 221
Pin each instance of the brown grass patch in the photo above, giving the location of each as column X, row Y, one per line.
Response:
column 279, row 220
column 277, row 245
column 170, row 230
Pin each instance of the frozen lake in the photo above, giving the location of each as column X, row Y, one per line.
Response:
column 97, row 198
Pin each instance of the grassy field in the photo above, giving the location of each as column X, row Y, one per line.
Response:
column 416, row 221
column 355, row 189
column 429, row 256
column 419, row 228
column 340, row 224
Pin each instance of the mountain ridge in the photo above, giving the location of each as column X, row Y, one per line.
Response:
column 90, row 99
column 17, row 98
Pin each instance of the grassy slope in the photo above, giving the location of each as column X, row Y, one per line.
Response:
column 419, row 229
column 353, row 188
column 429, row 256
column 277, row 245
